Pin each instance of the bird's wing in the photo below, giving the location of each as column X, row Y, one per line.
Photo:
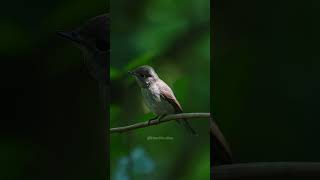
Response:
column 167, row 94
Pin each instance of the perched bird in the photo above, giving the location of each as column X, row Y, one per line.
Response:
column 157, row 95
column 94, row 40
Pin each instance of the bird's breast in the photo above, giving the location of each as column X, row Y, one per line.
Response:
column 156, row 104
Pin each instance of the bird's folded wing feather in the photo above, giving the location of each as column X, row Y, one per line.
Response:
column 167, row 94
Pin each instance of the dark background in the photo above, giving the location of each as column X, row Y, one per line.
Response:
column 50, row 121
column 265, row 86
column 266, row 78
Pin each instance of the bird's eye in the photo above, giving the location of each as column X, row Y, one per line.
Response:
column 102, row 45
column 142, row 75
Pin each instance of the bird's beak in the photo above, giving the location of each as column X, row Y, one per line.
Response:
column 68, row 35
column 131, row 73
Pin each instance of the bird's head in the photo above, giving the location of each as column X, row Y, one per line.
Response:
column 92, row 36
column 144, row 75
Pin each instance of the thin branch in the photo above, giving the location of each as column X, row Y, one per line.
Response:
column 219, row 142
column 269, row 170
column 167, row 118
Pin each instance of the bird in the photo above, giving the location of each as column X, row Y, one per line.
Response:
column 157, row 95
column 94, row 41
column 93, row 38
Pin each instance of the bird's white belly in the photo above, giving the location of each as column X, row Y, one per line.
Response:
column 155, row 103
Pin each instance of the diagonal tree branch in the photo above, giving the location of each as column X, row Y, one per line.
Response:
column 220, row 146
column 167, row 118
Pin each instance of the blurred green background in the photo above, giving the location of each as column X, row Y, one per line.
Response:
column 50, row 124
column 266, row 78
column 174, row 38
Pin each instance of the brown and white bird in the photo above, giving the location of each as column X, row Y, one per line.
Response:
column 157, row 95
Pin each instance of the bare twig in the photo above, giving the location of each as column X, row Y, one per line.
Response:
column 266, row 170
column 167, row 118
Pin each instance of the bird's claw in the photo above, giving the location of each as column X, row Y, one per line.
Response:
column 161, row 117
column 150, row 120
